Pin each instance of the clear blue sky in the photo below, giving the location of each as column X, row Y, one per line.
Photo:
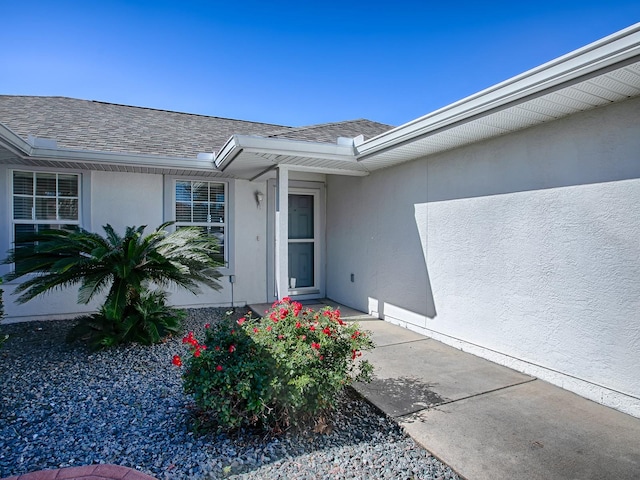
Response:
column 291, row 63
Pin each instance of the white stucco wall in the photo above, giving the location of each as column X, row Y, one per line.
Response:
column 249, row 243
column 126, row 199
column 524, row 249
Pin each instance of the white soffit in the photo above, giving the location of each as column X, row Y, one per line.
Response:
column 598, row 74
column 250, row 157
column 596, row 92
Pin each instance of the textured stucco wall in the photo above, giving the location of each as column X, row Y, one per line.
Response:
column 524, row 249
column 125, row 199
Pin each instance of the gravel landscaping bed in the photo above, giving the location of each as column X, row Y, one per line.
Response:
column 63, row 405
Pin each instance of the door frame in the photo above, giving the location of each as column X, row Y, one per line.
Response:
column 318, row 190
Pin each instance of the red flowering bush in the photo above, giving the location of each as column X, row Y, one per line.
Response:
column 283, row 370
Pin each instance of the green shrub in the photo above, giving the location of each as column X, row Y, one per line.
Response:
column 123, row 266
column 286, row 369
column 146, row 321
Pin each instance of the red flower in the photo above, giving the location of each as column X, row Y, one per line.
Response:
column 241, row 320
column 177, row 361
column 232, row 348
column 280, row 337
column 207, row 325
column 269, row 328
column 217, row 349
column 196, row 353
column 312, row 328
column 298, row 324
column 326, row 331
column 255, row 330
column 355, row 335
column 315, row 345
column 286, row 299
column 219, row 368
column 189, row 338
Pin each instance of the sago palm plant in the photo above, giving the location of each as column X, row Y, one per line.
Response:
column 125, row 265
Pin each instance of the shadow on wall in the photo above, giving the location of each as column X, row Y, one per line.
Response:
column 420, row 214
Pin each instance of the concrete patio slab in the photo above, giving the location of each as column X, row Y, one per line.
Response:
column 530, row 431
column 414, row 375
column 385, row 333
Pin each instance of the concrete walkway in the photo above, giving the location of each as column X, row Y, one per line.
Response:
column 490, row 422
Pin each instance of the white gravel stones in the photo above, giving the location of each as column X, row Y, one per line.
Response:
column 62, row 405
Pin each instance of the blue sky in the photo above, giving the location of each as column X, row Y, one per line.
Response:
column 290, row 63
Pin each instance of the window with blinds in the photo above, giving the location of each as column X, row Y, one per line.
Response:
column 43, row 201
column 203, row 205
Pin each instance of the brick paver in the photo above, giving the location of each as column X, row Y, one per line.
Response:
column 88, row 472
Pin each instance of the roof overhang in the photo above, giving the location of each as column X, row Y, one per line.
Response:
column 601, row 73
column 253, row 157
column 46, row 153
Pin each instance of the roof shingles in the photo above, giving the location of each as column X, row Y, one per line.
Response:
column 92, row 125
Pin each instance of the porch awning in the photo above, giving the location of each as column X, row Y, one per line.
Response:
column 253, row 157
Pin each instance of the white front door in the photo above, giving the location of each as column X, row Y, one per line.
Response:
column 303, row 242
column 305, row 246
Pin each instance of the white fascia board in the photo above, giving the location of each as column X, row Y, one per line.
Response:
column 24, row 149
column 116, row 158
column 14, row 142
column 227, row 153
column 602, row 54
column 282, row 146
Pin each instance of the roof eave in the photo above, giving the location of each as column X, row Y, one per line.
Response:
column 13, row 142
column 26, row 150
column 282, row 146
column 268, row 153
column 123, row 159
column 598, row 56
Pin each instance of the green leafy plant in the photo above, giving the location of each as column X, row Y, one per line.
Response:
column 286, row 369
column 146, row 321
column 125, row 266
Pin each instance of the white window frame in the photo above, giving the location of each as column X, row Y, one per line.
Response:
column 84, row 182
column 170, row 213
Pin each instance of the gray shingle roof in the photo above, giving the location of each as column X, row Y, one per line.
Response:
column 329, row 132
column 92, row 125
